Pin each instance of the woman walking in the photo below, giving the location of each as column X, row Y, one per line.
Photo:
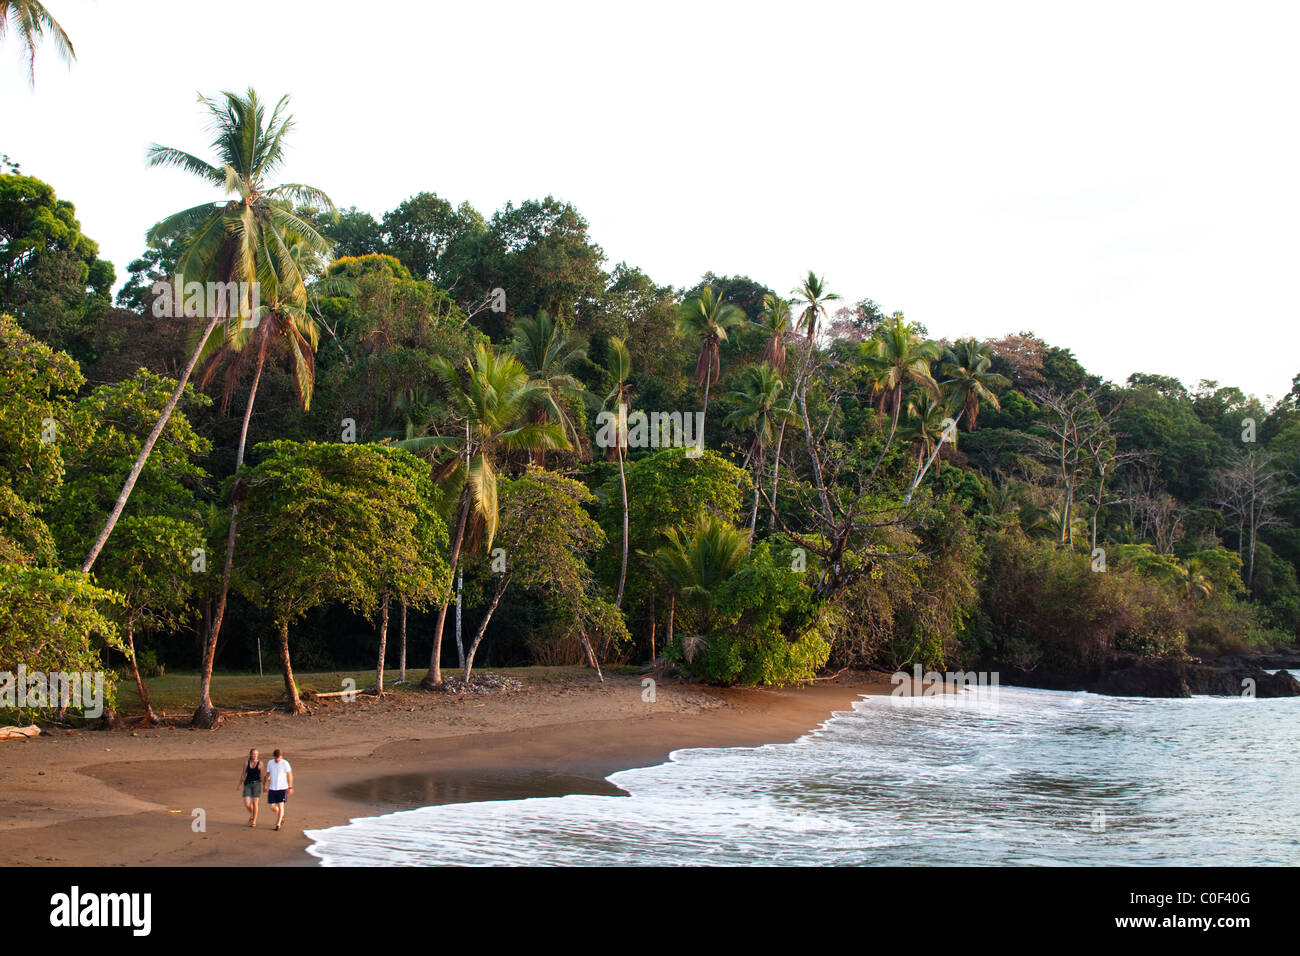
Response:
column 251, row 783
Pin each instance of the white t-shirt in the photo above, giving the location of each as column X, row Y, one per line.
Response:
column 277, row 774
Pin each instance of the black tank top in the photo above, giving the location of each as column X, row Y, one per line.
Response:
column 252, row 774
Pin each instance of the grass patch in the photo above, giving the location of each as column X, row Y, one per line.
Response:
column 177, row 693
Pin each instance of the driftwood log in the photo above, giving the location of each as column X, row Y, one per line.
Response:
column 19, row 733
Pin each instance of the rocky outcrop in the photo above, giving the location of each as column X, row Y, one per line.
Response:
column 1233, row 676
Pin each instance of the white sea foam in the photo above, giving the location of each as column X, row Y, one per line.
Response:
column 1049, row 778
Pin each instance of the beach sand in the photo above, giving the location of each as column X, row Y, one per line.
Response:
column 118, row 798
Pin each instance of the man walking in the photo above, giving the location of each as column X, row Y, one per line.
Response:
column 279, row 782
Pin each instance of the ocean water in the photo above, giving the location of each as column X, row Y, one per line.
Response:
column 1031, row 777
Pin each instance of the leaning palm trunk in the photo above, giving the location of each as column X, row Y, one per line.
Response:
column 482, row 628
column 206, row 714
column 916, row 482
column 705, row 413
column 780, row 437
column 149, row 717
column 433, row 679
column 812, row 453
column 134, row 474
column 622, row 481
column 758, row 474
column 591, row 654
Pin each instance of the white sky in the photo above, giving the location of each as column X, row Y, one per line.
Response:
column 1119, row 178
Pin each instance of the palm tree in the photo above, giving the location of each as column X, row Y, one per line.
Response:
column 243, row 239
column 695, row 563
column 31, row 20
column 487, row 409
column 812, row 295
column 931, row 425
column 283, row 326
column 709, row 319
column 619, row 364
column 897, row 358
column 549, row 354
column 235, row 241
column 1199, row 583
column 774, row 320
column 927, row 421
column 968, row 367
column 757, row 396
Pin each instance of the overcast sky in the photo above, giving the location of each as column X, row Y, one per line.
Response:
column 1121, row 179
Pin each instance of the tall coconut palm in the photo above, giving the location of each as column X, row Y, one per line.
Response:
column 30, row 20
column 898, row 358
column 282, row 327
column 549, row 354
column 757, row 398
column 927, row 420
column 930, row 424
column 239, row 240
column 619, row 365
column 487, row 416
column 812, row 295
column 242, row 239
column 774, row 320
column 968, row 367
column 708, row 318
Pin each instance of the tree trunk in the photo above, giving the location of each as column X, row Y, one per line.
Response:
column 812, row 453
column 622, row 480
column 460, row 645
column 206, row 714
column 383, row 647
column 482, row 628
column 433, row 679
column 758, row 477
column 401, row 657
column 591, row 655
column 149, row 717
column 290, row 688
column 134, row 474
column 672, row 608
column 780, row 437
column 1254, row 528
column 652, row 625
column 776, row 477
column 916, row 483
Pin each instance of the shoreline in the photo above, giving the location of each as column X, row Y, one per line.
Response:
column 136, row 798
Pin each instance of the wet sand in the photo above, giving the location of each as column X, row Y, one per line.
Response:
column 122, row 798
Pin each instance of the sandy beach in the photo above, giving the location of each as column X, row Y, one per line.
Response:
column 128, row 798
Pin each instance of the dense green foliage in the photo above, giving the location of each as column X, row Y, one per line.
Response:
column 434, row 385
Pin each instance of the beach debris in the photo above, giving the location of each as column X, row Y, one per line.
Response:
column 19, row 733
column 481, row 683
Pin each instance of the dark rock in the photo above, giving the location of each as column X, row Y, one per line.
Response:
column 1152, row 678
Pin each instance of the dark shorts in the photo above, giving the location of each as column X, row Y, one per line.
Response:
column 253, row 790
column 277, row 796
